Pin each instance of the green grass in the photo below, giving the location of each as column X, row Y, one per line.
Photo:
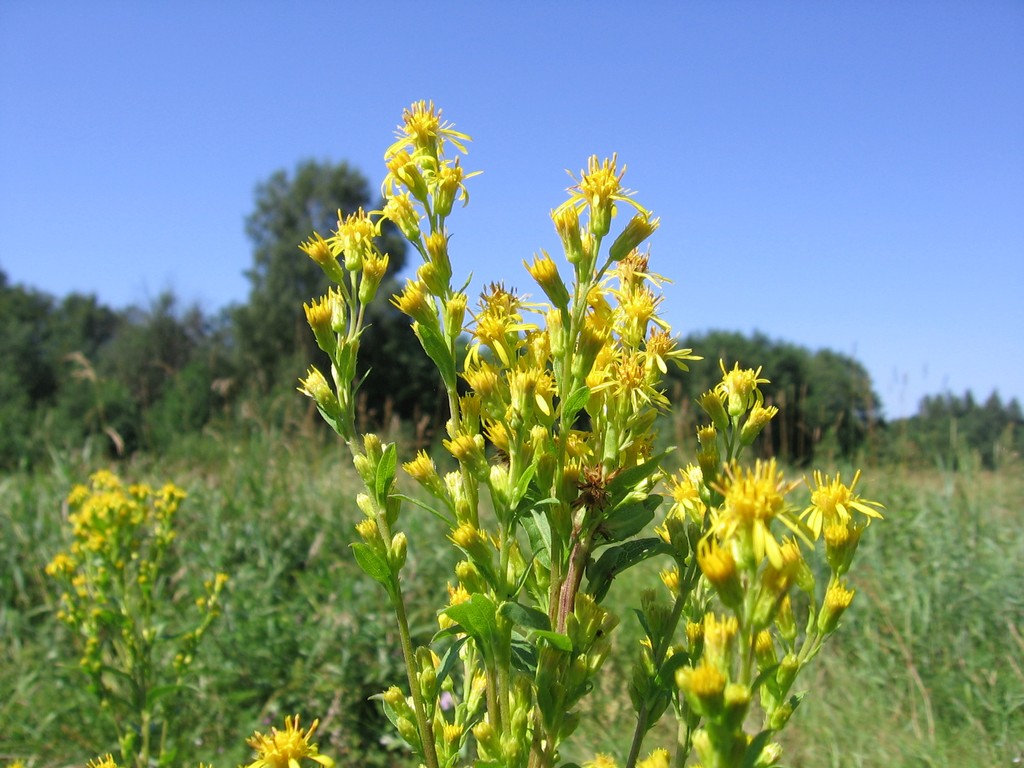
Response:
column 928, row 668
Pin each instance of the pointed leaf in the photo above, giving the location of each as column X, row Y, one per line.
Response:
column 437, row 350
column 628, row 479
column 575, row 403
column 556, row 639
column 627, row 520
column 538, row 528
column 524, row 616
column 617, row 559
column 386, row 473
column 373, row 565
column 755, row 747
column 524, row 657
column 476, row 616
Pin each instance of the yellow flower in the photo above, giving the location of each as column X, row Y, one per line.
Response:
column 287, row 748
column 659, row 758
column 753, row 498
column 639, row 228
column 107, row 761
column 415, row 301
column 316, row 387
column 600, row 187
column 545, row 272
column 705, row 683
column 423, row 130
column 739, row 388
column 319, row 250
column 375, row 266
column 400, row 210
column 354, row 238
column 601, row 761
column 837, row 600
column 832, row 501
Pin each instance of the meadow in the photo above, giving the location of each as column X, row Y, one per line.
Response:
column 926, row 669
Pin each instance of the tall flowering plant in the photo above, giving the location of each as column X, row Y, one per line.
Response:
column 117, row 579
column 556, row 489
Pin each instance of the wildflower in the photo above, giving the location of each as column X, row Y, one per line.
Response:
column 450, row 187
column 660, row 349
column 375, row 266
column 753, row 498
column 316, row 387
column 758, row 417
column 319, row 251
column 704, row 686
column 567, row 224
column 354, row 238
column 832, row 501
column 107, row 761
column 659, row 758
column 719, row 567
column 639, row 228
column 287, row 748
column 739, row 388
column 719, row 634
column 416, row 302
column 837, row 600
column 601, row 760
column 402, row 169
column 423, row 130
column 545, row 272
column 400, row 210
column 455, row 313
column 684, row 487
column 469, row 450
column 600, row 187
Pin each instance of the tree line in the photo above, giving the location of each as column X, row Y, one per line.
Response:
column 76, row 372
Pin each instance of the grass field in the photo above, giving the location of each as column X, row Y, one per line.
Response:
column 928, row 670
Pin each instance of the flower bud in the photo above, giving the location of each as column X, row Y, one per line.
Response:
column 758, row 417
column 398, row 549
column 400, row 210
column 639, row 228
column 319, row 251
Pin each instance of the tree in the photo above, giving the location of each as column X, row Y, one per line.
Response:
column 274, row 341
column 820, row 395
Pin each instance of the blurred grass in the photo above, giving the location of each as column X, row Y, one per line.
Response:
column 927, row 669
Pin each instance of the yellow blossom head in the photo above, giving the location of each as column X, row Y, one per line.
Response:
column 753, row 499
column 739, row 388
column 286, row 748
column 832, row 502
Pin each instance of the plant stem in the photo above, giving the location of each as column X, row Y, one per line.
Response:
column 425, row 726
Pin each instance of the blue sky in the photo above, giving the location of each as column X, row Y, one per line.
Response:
column 842, row 175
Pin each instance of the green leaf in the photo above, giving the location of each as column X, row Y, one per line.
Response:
column 522, row 486
column 575, row 403
column 556, row 639
column 524, row 616
column 617, row 559
column 476, row 616
column 538, row 528
column 386, row 473
column 627, row 520
column 524, row 657
column 438, row 351
column 628, row 479
column 754, row 749
column 374, row 565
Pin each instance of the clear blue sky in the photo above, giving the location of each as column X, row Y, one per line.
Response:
column 842, row 175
